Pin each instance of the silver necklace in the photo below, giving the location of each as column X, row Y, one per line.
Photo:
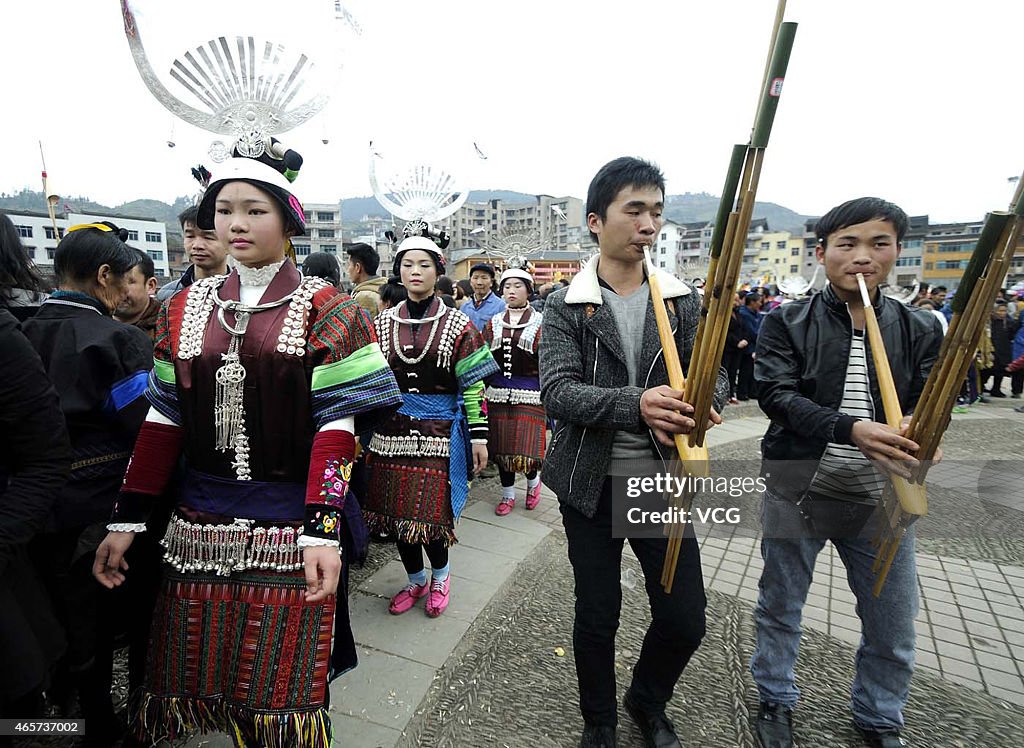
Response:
column 397, row 343
column 229, row 399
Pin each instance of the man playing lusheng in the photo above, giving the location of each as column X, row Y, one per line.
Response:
column 823, row 454
column 603, row 378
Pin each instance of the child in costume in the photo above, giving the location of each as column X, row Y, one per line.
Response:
column 421, row 460
column 261, row 377
column 517, row 421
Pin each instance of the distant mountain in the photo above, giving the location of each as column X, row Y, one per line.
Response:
column 701, row 206
column 155, row 209
column 686, row 208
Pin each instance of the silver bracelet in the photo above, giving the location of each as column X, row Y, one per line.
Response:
column 126, row 527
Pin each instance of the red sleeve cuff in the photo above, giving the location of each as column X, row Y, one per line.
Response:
column 330, row 467
column 153, row 461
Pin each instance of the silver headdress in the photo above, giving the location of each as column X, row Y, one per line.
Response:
column 796, row 286
column 245, row 87
column 420, row 193
column 901, row 294
column 514, row 246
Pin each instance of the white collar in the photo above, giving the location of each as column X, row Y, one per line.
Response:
column 585, row 288
column 259, row 277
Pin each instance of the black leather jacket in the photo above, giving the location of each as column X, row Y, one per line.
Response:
column 802, row 355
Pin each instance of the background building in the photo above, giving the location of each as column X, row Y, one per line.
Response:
column 37, row 235
column 558, row 219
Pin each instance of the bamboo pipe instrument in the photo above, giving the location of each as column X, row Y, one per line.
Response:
column 944, row 381
column 726, row 257
column 912, row 497
column 695, row 459
column 985, row 271
column 727, row 265
column 931, row 418
column 720, row 237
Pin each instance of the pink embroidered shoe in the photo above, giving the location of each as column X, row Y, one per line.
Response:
column 407, row 598
column 533, row 497
column 504, row 507
column 437, row 600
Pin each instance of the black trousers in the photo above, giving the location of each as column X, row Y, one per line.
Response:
column 677, row 624
column 746, row 387
column 731, row 362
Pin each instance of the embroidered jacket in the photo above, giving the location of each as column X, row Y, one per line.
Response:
column 515, row 347
column 452, row 360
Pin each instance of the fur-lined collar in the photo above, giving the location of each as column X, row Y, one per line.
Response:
column 585, row 289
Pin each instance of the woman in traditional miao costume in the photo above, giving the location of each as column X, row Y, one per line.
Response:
column 261, row 377
column 516, row 417
column 422, row 459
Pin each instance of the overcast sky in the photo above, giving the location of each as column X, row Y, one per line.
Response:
column 916, row 102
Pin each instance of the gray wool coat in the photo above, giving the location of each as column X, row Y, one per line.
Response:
column 584, row 381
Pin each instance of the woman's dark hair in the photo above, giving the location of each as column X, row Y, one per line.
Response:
column 81, row 253
column 16, row 268
column 393, row 292
column 444, row 285
column 466, row 288
column 323, row 265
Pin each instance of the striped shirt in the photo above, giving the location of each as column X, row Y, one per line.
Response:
column 844, row 472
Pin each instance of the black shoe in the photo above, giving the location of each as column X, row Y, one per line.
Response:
column 882, row 738
column 774, row 726
column 657, row 730
column 996, row 394
column 597, row 736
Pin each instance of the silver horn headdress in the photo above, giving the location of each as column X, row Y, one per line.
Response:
column 245, row 87
column 421, row 193
column 797, row 286
column 901, row 294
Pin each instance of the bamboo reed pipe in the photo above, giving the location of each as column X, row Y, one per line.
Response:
column 911, row 496
column 985, row 271
column 695, row 459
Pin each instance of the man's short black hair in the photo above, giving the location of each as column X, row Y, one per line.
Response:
column 936, row 289
column 366, row 256
column 189, row 215
column 144, row 263
column 615, row 176
column 861, row 210
column 751, row 297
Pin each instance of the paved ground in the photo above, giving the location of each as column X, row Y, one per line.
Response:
column 497, row 669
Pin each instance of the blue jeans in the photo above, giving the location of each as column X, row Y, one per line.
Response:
column 885, row 657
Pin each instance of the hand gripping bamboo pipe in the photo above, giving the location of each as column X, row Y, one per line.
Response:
column 911, row 495
column 693, row 460
column 971, row 305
